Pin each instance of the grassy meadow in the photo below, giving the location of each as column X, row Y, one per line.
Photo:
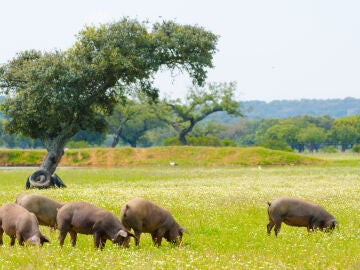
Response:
column 224, row 209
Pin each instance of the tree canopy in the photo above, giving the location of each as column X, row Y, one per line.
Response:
column 53, row 95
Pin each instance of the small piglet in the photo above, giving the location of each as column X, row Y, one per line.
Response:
column 300, row 213
column 17, row 222
column 144, row 216
column 44, row 208
column 85, row 218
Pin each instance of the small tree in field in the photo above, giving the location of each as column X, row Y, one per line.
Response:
column 346, row 131
column 53, row 95
column 200, row 103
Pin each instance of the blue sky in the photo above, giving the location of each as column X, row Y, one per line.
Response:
column 273, row 49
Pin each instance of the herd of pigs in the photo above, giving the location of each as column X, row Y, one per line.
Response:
column 21, row 220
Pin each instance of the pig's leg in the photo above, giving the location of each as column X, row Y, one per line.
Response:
column 137, row 228
column 137, row 237
column 153, row 236
column 73, row 236
column 270, row 226
column 277, row 227
column 97, row 239
column 12, row 241
column 102, row 242
column 20, row 238
column 157, row 236
column 311, row 225
column 1, row 236
column 62, row 236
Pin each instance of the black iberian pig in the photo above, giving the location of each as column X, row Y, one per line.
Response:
column 300, row 213
column 44, row 208
column 85, row 218
column 144, row 216
column 17, row 222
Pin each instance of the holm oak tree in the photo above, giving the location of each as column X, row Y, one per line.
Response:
column 53, row 95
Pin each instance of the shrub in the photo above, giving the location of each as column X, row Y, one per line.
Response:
column 356, row 148
column 227, row 142
column 277, row 145
column 193, row 141
column 171, row 141
column 77, row 144
column 203, row 141
column 330, row 149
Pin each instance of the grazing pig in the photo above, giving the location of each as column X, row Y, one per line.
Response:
column 85, row 218
column 17, row 222
column 300, row 213
column 144, row 216
column 44, row 208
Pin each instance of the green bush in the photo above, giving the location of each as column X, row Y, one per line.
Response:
column 171, row 141
column 356, row 148
column 203, row 141
column 193, row 141
column 227, row 142
column 330, row 149
column 277, row 145
column 77, row 144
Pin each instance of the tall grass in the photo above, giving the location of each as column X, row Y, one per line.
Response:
column 225, row 210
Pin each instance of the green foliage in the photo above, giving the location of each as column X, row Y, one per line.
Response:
column 329, row 149
column 200, row 141
column 276, row 145
column 92, row 138
column 224, row 210
column 298, row 133
column 203, row 141
column 312, row 136
column 346, row 131
column 200, row 102
column 53, row 95
column 227, row 142
column 77, row 144
column 209, row 128
column 356, row 148
column 171, row 141
column 132, row 119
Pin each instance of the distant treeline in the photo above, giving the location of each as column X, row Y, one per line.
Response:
column 328, row 125
column 334, row 108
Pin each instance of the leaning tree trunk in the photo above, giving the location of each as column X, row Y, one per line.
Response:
column 186, row 131
column 45, row 176
column 182, row 138
column 117, row 136
column 118, row 132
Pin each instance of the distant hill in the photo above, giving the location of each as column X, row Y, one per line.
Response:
column 257, row 109
column 281, row 109
column 334, row 108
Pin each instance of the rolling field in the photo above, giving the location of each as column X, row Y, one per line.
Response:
column 224, row 209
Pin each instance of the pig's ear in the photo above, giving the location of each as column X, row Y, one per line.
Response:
column 123, row 233
column 34, row 240
column 183, row 230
